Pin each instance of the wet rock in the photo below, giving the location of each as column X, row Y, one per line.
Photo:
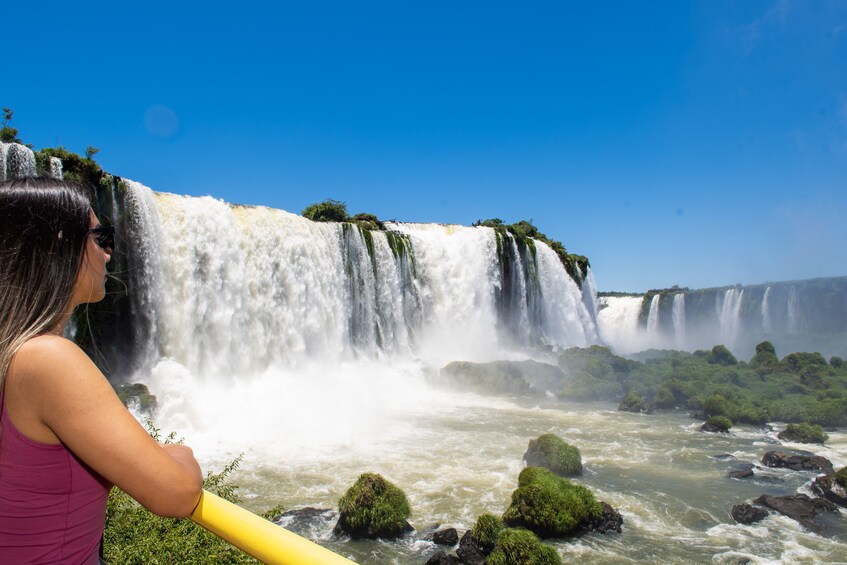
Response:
column 302, row 519
column 716, row 425
column 724, row 457
column 800, row 507
column 826, row 486
column 442, row 558
column 798, row 461
column 747, row 513
column 742, row 471
column 470, row 552
column 610, row 521
column 447, row 536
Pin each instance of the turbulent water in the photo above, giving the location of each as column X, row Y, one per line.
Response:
column 310, row 349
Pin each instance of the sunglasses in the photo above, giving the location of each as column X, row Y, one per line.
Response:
column 105, row 236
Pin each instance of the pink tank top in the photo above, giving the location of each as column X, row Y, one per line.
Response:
column 52, row 506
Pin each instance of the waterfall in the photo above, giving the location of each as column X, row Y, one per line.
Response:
column 792, row 326
column 565, row 318
column 653, row 316
column 18, row 161
column 230, row 290
column 678, row 312
column 56, row 168
column 767, row 323
column 729, row 315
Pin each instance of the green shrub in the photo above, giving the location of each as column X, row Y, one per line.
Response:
column 327, row 211
column 135, row 535
column 549, row 505
column 717, row 424
column 486, row 530
column 836, row 362
column 720, row 355
column 374, row 507
column 522, row 547
column 804, row 433
column 552, row 452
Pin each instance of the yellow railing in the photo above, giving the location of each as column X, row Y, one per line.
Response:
column 258, row 537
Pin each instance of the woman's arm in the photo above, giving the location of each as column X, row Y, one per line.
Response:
column 67, row 395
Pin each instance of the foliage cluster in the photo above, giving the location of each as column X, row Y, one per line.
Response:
column 136, row 392
column 552, row 452
column 802, row 387
column 134, row 535
column 549, row 505
column 374, row 507
column 8, row 134
column 525, row 231
column 336, row 211
column 804, row 433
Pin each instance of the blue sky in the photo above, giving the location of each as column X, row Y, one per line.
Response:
column 690, row 143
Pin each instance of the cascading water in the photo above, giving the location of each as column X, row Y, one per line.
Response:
column 792, row 311
column 17, row 161
column 653, row 316
column 729, row 312
column 678, row 313
column 767, row 324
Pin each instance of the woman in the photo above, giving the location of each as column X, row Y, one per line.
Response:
column 65, row 438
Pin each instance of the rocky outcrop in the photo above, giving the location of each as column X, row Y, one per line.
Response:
column 447, row 536
column 798, row 461
column 716, row 425
column 742, row 471
column 610, row 521
column 470, row 552
column 634, row 402
column 503, row 377
column 747, row 513
column 442, row 558
column 826, row 486
column 800, row 507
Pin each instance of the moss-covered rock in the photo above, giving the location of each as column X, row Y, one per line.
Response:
column 841, row 477
column 552, row 452
column 549, row 505
column 717, row 424
column 486, row 530
column 522, row 547
column 665, row 398
column 803, row 433
column 136, row 392
column 634, row 402
column 373, row 508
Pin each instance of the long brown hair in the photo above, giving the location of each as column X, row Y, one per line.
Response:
column 43, row 231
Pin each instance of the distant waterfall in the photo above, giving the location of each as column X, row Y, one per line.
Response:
column 792, row 311
column 235, row 289
column 767, row 323
column 653, row 316
column 678, row 313
column 729, row 314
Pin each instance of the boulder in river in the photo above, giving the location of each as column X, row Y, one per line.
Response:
column 470, row 552
column 610, row 521
column 442, row 558
column 717, row 425
column 447, row 536
column 827, row 486
column 800, row 507
column 798, row 461
column 747, row 513
column 552, row 452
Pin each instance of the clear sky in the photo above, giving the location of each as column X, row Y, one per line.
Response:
column 690, row 143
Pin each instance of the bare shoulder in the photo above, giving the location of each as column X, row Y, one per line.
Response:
column 46, row 359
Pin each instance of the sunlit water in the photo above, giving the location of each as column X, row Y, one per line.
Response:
column 306, row 437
